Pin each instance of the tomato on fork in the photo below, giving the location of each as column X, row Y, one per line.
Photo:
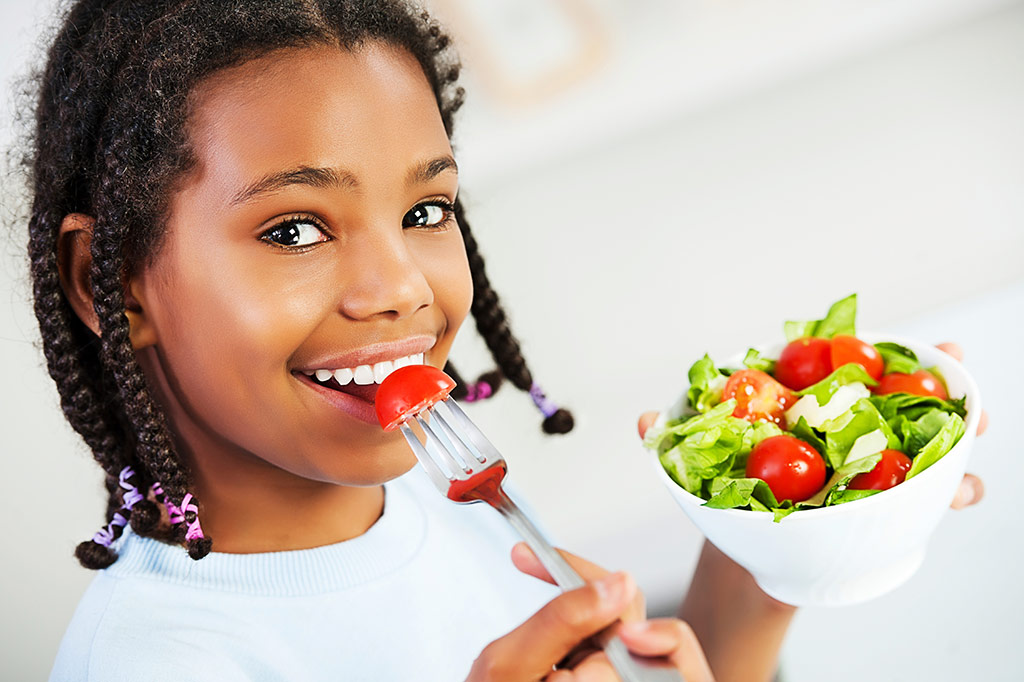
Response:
column 758, row 396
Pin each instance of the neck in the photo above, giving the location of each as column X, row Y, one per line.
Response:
column 299, row 513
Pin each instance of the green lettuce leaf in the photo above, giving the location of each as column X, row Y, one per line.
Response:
column 731, row 493
column 804, row 432
column 863, row 418
column 840, row 319
column 847, row 495
column 706, row 384
column 937, row 447
column 703, row 455
column 753, row 360
column 915, row 406
column 847, row 374
column 918, row 433
column 898, row 358
column 660, row 439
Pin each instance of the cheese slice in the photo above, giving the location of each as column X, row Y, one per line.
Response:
column 816, row 415
column 870, row 443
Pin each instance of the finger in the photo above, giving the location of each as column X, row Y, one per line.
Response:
column 670, row 638
column 645, row 422
column 560, row 676
column 531, row 650
column 527, row 562
column 595, row 668
column 982, row 422
column 970, row 492
column 953, row 349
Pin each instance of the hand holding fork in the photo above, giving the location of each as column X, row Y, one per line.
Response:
column 465, row 467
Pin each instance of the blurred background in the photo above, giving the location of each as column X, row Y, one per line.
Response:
column 650, row 180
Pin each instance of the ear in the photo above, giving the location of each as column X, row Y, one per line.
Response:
column 74, row 260
column 141, row 332
column 74, row 263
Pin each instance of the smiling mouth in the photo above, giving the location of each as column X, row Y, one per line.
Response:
column 361, row 381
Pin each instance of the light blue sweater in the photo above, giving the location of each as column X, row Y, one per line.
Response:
column 416, row 597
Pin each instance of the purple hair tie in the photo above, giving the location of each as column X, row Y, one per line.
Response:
column 546, row 406
column 481, row 390
column 177, row 515
column 105, row 535
column 132, row 496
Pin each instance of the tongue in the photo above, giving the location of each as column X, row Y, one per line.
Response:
column 367, row 392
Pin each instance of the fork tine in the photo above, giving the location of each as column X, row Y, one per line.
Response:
column 446, row 450
column 464, row 425
column 437, row 476
column 450, row 425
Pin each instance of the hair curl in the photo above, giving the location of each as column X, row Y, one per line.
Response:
column 109, row 140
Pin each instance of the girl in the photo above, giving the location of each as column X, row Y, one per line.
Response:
column 243, row 214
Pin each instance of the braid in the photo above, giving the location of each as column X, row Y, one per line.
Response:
column 492, row 324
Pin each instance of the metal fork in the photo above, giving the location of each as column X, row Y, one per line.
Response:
column 466, row 468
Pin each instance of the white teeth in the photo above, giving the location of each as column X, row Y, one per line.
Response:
column 381, row 370
column 363, row 375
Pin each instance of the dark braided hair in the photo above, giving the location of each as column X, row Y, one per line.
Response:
column 109, row 141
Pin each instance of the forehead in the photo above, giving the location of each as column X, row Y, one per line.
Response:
column 322, row 106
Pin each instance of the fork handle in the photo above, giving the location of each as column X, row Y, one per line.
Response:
column 630, row 668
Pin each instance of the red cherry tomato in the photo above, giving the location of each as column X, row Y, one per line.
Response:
column 891, row 470
column 758, row 396
column 921, row 382
column 791, row 468
column 409, row 390
column 804, row 362
column 847, row 349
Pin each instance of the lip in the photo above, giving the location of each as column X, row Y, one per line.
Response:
column 362, row 410
column 371, row 354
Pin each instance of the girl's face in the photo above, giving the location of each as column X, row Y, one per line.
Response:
column 315, row 233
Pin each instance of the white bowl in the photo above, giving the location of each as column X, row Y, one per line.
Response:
column 851, row 552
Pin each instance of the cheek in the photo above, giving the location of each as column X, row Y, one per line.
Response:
column 452, row 283
column 447, row 271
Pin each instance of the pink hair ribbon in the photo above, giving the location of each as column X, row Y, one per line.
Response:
column 177, row 515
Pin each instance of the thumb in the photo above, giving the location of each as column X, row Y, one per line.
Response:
column 531, row 650
column 645, row 422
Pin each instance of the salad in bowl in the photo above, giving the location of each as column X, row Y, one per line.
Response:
column 821, row 464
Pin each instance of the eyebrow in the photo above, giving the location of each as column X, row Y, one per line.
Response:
column 325, row 178
column 428, row 170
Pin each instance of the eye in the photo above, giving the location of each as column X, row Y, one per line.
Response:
column 435, row 214
column 295, row 233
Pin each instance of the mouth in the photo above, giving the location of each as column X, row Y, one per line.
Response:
column 361, row 381
column 352, row 390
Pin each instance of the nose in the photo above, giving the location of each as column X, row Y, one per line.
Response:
column 382, row 278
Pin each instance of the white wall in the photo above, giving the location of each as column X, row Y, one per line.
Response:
column 896, row 174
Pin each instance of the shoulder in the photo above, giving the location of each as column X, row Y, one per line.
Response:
column 120, row 632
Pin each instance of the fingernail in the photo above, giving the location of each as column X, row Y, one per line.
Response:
column 965, row 495
column 637, row 627
column 612, row 588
